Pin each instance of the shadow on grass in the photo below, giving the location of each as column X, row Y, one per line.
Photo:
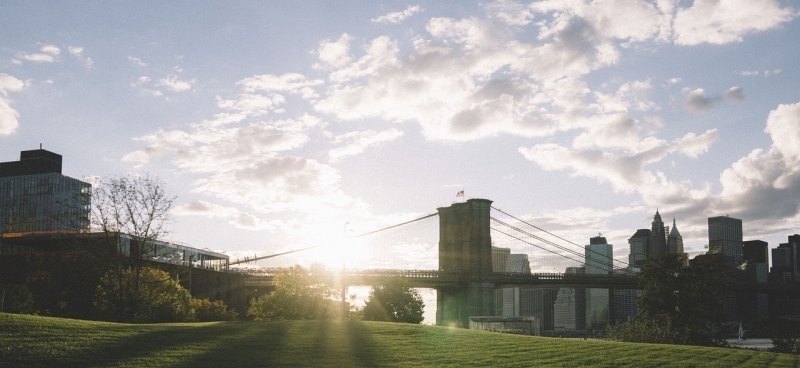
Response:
column 251, row 344
column 363, row 346
column 106, row 346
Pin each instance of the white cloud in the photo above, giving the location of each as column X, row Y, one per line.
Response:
column 397, row 17
column 735, row 94
column 157, row 88
column 174, row 84
column 334, row 54
column 9, row 117
column 509, row 12
column 626, row 171
column 355, row 143
column 725, row 21
column 765, row 184
column 77, row 52
column 765, row 73
column 696, row 99
column 48, row 53
column 234, row 216
column 137, row 61
column 290, row 82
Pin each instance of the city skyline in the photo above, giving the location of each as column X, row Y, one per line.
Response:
column 278, row 124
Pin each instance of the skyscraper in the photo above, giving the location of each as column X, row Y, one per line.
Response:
column 658, row 238
column 639, row 243
column 508, row 301
column 786, row 261
column 35, row 197
column 569, row 309
column 599, row 261
column 674, row 240
column 725, row 237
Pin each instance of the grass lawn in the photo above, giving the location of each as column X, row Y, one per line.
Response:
column 29, row 341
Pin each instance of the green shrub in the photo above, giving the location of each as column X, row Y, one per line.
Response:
column 206, row 310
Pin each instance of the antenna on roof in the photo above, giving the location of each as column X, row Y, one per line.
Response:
column 40, row 146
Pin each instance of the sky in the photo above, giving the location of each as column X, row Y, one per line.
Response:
column 280, row 125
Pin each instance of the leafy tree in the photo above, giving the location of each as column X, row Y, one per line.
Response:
column 298, row 294
column 785, row 335
column 689, row 298
column 159, row 298
column 206, row 310
column 140, row 207
column 394, row 301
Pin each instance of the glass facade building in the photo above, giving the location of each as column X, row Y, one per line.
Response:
column 35, row 197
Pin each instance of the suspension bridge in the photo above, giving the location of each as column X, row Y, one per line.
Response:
column 465, row 279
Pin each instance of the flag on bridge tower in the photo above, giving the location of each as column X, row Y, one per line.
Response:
column 460, row 193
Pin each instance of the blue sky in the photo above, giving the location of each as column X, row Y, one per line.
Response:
column 278, row 124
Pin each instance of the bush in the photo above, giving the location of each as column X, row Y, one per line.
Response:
column 16, row 299
column 785, row 335
column 206, row 310
column 394, row 301
column 154, row 298
column 298, row 294
column 658, row 329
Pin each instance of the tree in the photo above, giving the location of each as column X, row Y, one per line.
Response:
column 158, row 299
column 298, row 294
column 206, row 310
column 689, row 298
column 394, row 301
column 140, row 207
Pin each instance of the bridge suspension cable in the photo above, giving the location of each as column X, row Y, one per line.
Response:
column 522, row 231
column 397, row 225
column 254, row 259
column 537, row 246
column 607, row 262
column 612, row 260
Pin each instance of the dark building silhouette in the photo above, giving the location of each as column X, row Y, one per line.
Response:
column 755, row 251
column 639, row 243
column 754, row 306
column 785, row 270
column 35, row 197
column 658, row 238
column 674, row 240
column 725, row 236
column 786, row 261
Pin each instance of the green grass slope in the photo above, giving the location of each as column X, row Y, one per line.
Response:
column 29, row 341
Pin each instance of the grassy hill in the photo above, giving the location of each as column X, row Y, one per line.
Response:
column 29, row 341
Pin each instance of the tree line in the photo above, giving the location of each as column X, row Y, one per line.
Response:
column 80, row 279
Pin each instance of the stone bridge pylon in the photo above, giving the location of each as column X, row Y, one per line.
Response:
column 465, row 247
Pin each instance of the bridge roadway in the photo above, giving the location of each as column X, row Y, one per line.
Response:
column 441, row 279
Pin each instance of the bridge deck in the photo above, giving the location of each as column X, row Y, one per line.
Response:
column 441, row 279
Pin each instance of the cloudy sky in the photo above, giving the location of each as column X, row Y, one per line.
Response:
column 285, row 124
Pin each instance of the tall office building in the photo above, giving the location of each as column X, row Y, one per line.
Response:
column 599, row 261
column 725, row 237
column 35, row 197
column 755, row 251
column 538, row 303
column 755, row 306
column 658, row 238
column 674, row 240
column 786, row 261
column 509, row 300
column 625, row 304
column 639, row 243
column 569, row 309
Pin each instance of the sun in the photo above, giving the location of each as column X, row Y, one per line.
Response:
column 342, row 251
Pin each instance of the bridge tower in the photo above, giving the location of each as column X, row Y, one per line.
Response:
column 465, row 247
